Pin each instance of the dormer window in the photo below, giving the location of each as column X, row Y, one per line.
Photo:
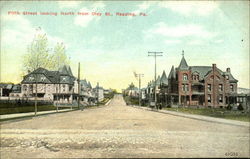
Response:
column 232, row 88
column 64, row 79
column 31, row 78
column 227, row 77
column 195, row 77
column 42, row 79
column 185, row 77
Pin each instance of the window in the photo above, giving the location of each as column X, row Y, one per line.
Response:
column 220, row 87
column 42, row 79
column 194, row 77
column 227, row 77
column 31, row 78
column 209, row 98
column 31, row 87
column 220, row 98
column 25, row 88
column 185, row 77
column 232, row 88
column 209, row 87
column 63, row 87
column 184, row 87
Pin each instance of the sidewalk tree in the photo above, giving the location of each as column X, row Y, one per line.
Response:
column 38, row 55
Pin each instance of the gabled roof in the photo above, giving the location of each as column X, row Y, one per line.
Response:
column 183, row 64
column 69, row 70
column 231, row 78
column 171, row 73
column 63, row 70
column 201, row 70
column 89, row 84
column 63, row 75
column 164, row 79
column 84, row 83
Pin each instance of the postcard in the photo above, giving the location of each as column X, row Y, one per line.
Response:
column 124, row 79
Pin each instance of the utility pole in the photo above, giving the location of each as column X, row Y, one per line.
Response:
column 36, row 85
column 58, row 90
column 78, row 85
column 97, row 93
column 139, row 75
column 155, row 54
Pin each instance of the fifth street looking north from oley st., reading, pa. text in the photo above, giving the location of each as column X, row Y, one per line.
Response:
column 126, row 14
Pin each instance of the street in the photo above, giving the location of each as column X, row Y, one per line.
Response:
column 117, row 130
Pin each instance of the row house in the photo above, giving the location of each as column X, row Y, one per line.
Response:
column 194, row 86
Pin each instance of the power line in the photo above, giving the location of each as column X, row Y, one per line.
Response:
column 139, row 75
column 155, row 54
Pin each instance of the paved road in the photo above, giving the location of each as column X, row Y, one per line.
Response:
column 118, row 130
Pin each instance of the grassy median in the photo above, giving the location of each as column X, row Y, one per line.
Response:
column 219, row 113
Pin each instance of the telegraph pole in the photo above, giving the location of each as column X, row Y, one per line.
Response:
column 155, row 54
column 97, row 93
column 78, row 85
column 139, row 75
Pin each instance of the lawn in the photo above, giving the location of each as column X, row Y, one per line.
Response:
column 131, row 101
column 219, row 113
column 25, row 109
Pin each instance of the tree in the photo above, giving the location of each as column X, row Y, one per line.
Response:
column 37, row 54
column 59, row 57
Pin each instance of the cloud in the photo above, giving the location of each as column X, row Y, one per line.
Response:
column 18, row 32
column 85, row 20
column 195, row 42
column 187, row 8
column 169, row 42
column 218, row 41
column 180, row 31
column 69, row 4
column 145, row 6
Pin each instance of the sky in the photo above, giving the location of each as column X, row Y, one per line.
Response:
column 111, row 48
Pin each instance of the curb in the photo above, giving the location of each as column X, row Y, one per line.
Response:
column 199, row 117
column 17, row 118
column 108, row 102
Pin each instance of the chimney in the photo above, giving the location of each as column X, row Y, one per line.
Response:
column 214, row 67
column 228, row 70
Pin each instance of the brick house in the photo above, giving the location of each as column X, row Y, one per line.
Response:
column 201, row 86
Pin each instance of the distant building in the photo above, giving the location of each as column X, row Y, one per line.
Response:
column 5, row 89
column 131, row 91
column 99, row 91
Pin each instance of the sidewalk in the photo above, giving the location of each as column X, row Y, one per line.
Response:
column 200, row 117
column 31, row 114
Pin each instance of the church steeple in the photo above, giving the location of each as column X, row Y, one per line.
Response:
column 183, row 64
